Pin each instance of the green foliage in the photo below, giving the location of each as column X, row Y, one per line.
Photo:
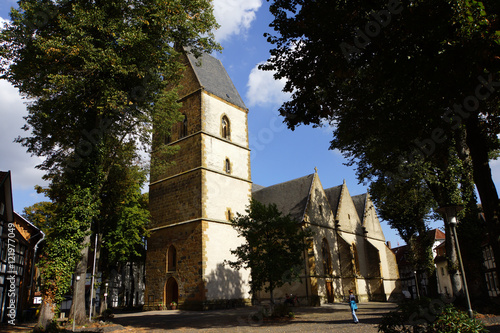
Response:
column 65, row 242
column 41, row 214
column 393, row 80
column 273, row 248
column 98, row 74
column 404, row 203
column 452, row 320
column 429, row 316
column 124, row 213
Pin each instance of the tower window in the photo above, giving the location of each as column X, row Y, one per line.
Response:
column 171, row 259
column 184, row 128
column 225, row 130
column 228, row 166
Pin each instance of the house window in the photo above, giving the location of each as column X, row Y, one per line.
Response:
column 184, row 128
column 168, row 139
column 171, row 259
column 229, row 214
column 227, row 166
column 225, row 130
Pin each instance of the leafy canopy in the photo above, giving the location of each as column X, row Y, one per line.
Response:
column 273, row 248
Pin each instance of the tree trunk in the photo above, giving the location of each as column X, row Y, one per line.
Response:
column 484, row 184
column 453, row 265
column 77, row 311
column 47, row 313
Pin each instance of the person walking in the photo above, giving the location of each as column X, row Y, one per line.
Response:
column 353, row 305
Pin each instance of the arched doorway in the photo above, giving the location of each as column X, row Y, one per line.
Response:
column 171, row 291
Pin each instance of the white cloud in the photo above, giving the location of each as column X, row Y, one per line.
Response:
column 234, row 16
column 263, row 89
column 14, row 156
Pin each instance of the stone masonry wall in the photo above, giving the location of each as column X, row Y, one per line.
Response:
column 176, row 199
column 187, row 240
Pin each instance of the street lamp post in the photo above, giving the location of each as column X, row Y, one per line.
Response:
column 416, row 284
column 450, row 213
column 74, row 305
column 106, row 297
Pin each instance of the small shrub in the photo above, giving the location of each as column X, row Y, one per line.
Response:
column 452, row 320
column 280, row 310
column 429, row 316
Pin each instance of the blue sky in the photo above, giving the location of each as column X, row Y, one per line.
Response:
column 278, row 154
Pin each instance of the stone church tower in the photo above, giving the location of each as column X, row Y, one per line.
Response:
column 192, row 203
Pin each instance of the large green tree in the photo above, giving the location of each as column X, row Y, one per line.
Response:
column 96, row 74
column 400, row 81
column 273, row 249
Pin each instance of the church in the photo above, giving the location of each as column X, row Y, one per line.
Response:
column 193, row 201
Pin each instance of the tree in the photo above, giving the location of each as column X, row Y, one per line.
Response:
column 399, row 83
column 98, row 74
column 41, row 214
column 273, row 249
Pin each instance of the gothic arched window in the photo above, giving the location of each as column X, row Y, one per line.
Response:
column 225, row 129
column 171, row 258
column 327, row 258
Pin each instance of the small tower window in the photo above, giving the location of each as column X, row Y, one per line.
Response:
column 171, row 259
column 225, row 130
column 228, row 166
column 184, row 128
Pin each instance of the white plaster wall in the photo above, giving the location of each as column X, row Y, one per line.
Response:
column 213, row 110
column 216, row 152
column 224, row 192
column 222, row 281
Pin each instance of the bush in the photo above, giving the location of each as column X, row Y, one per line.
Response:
column 280, row 310
column 429, row 316
column 452, row 320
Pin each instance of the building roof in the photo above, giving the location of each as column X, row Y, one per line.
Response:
column 290, row 197
column 333, row 195
column 360, row 203
column 256, row 187
column 213, row 77
column 437, row 234
column 400, row 253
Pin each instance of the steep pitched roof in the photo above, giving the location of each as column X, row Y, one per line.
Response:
column 213, row 77
column 437, row 234
column 359, row 203
column 290, row 197
column 257, row 187
column 333, row 195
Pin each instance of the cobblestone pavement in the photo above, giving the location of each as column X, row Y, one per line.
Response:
column 326, row 318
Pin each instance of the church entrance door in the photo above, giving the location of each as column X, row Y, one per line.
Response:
column 329, row 291
column 171, row 291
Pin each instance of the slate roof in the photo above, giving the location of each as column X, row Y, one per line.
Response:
column 213, row 77
column 290, row 197
column 256, row 187
column 333, row 195
column 359, row 203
